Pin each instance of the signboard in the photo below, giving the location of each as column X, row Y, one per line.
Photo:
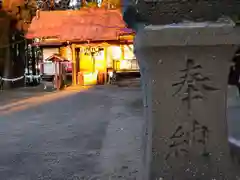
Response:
column 49, row 68
column 88, row 50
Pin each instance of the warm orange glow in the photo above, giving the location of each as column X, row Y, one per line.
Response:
column 89, row 63
column 111, row 4
column 127, row 37
column 66, row 52
column 90, row 78
column 34, row 101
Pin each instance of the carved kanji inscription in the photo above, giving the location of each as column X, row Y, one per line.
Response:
column 192, row 85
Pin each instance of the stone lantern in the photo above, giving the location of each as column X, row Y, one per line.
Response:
column 184, row 51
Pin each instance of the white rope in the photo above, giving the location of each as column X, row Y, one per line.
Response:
column 12, row 80
column 33, row 76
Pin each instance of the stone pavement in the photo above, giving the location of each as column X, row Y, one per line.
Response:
column 87, row 134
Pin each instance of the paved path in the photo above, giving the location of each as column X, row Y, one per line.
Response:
column 73, row 136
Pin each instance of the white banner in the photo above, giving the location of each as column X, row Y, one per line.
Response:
column 49, row 68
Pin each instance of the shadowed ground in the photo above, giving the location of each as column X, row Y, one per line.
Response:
column 85, row 134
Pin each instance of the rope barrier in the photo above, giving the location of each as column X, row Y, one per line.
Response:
column 11, row 80
column 19, row 78
column 33, row 76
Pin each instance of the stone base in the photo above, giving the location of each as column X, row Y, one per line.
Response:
column 185, row 89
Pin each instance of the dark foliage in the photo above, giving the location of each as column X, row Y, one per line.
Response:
column 174, row 11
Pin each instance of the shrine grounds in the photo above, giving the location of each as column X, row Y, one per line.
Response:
column 85, row 133
column 77, row 134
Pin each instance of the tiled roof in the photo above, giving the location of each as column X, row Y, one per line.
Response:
column 91, row 24
column 56, row 57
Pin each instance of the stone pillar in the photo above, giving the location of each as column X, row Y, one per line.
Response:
column 184, row 70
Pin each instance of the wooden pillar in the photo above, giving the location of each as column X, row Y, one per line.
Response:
column 105, row 63
column 74, row 68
